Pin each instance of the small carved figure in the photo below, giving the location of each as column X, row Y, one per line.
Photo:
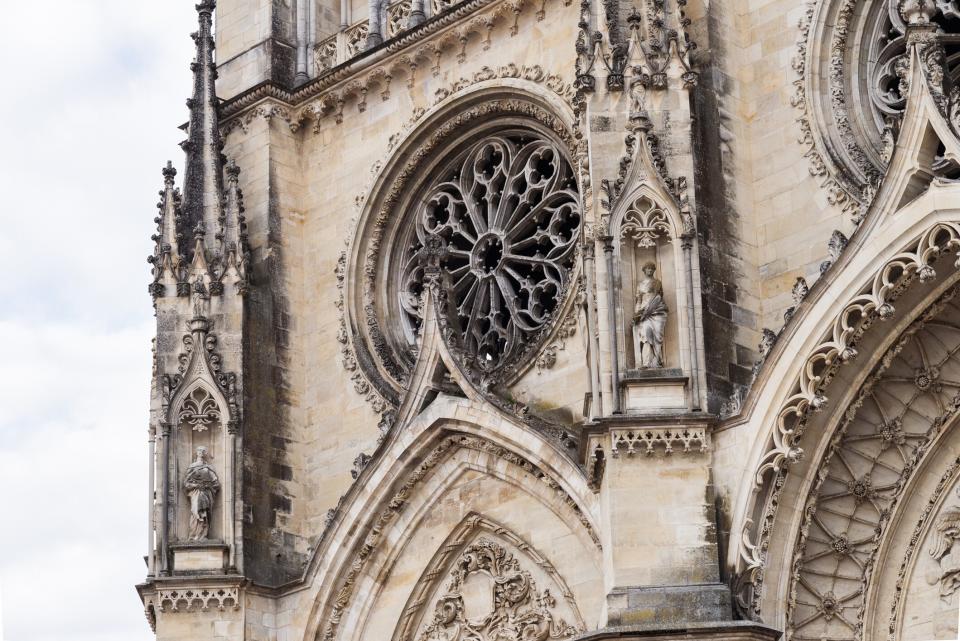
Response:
column 946, row 532
column 649, row 320
column 201, row 485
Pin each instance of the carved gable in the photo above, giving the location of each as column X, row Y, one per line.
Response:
column 487, row 584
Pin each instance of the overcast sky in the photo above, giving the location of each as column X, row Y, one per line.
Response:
column 93, row 93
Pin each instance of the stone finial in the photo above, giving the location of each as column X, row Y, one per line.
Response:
column 767, row 340
column 203, row 170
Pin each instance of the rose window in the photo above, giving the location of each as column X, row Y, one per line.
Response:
column 855, row 65
column 504, row 218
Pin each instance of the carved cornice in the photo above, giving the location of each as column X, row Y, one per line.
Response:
column 445, row 34
column 215, row 593
column 659, row 439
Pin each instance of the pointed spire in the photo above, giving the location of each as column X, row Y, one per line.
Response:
column 203, row 173
column 166, row 253
column 233, row 248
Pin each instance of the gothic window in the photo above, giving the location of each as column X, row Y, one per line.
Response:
column 504, row 218
column 855, row 67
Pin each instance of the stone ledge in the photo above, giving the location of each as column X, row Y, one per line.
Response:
column 673, row 605
column 706, row 631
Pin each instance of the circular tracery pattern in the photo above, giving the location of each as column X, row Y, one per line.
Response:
column 503, row 218
column 854, row 90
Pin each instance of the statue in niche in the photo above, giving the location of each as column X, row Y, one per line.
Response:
column 201, row 485
column 649, row 320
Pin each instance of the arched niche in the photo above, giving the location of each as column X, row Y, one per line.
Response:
column 651, row 308
column 198, row 423
column 197, row 527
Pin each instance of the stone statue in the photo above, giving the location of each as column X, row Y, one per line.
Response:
column 201, row 485
column 649, row 320
column 946, row 532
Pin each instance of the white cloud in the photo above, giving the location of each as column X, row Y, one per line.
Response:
column 90, row 115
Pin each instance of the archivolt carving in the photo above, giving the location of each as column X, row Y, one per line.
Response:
column 849, row 132
column 837, row 347
column 520, row 610
column 900, row 410
column 874, row 301
column 947, row 479
column 533, row 73
column 396, row 505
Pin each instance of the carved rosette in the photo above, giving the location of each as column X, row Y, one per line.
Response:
column 501, row 223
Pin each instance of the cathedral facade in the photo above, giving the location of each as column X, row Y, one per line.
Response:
column 530, row 320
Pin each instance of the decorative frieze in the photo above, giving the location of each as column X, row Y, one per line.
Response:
column 665, row 440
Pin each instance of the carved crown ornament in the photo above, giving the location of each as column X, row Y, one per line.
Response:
column 409, row 56
column 511, row 271
column 520, row 610
column 912, row 263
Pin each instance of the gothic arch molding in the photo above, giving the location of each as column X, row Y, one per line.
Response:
column 765, row 477
column 472, row 527
column 386, row 486
column 463, row 467
column 846, row 505
column 377, row 360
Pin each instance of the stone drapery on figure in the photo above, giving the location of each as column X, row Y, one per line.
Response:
column 946, row 532
column 649, row 320
column 201, row 485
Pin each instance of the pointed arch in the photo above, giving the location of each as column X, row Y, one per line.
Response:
column 894, row 269
column 397, row 490
column 436, row 573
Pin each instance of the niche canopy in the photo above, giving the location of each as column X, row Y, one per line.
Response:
column 504, row 217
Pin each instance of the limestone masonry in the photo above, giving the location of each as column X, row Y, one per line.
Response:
column 530, row 320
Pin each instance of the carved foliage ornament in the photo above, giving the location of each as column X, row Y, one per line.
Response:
column 501, row 223
column 519, row 612
column 873, row 302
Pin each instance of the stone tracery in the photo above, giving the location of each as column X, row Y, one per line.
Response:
column 850, row 131
column 504, row 220
column 901, row 409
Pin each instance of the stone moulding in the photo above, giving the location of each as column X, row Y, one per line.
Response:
column 651, row 440
column 837, row 347
column 870, row 490
column 874, row 301
column 842, row 191
column 367, row 544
